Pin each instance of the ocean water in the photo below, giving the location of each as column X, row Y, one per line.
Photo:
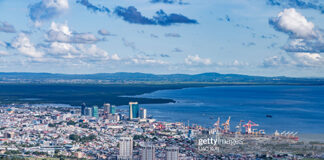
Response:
column 293, row 108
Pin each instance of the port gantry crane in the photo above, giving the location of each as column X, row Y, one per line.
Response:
column 227, row 125
column 248, row 127
column 239, row 128
column 216, row 125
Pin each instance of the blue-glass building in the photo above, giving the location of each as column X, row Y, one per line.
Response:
column 95, row 111
column 112, row 109
column 133, row 110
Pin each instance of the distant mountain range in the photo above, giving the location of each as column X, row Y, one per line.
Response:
column 124, row 77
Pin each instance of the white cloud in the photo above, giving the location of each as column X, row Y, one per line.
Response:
column 64, row 28
column 303, row 35
column 47, row 9
column 309, row 59
column 293, row 23
column 24, row 46
column 196, row 60
column 93, row 53
column 84, row 52
column 274, row 61
column 239, row 63
column 295, row 60
column 115, row 57
column 59, row 4
column 148, row 61
column 62, row 33
column 59, row 50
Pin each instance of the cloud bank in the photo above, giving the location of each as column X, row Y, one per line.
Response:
column 62, row 33
column 197, row 60
column 303, row 35
column 92, row 7
column 132, row 15
column 300, row 4
column 47, row 9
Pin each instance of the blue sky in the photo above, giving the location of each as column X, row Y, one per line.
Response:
column 255, row 37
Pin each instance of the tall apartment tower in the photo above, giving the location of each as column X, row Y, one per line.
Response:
column 107, row 108
column 88, row 111
column 113, row 109
column 133, row 110
column 172, row 153
column 143, row 113
column 148, row 152
column 95, row 111
column 125, row 148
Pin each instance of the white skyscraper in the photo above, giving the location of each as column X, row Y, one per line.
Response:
column 172, row 153
column 148, row 152
column 125, row 148
column 143, row 113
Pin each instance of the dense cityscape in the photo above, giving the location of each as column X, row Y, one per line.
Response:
column 51, row 131
column 161, row 80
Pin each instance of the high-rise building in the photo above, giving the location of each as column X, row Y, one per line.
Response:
column 143, row 113
column 125, row 148
column 95, row 112
column 113, row 109
column 172, row 153
column 88, row 111
column 107, row 108
column 148, row 152
column 83, row 109
column 116, row 117
column 133, row 110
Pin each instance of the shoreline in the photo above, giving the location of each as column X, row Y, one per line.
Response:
column 122, row 93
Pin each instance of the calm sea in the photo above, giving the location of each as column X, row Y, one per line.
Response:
column 293, row 108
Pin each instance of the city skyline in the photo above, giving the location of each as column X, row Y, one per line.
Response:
column 267, row 37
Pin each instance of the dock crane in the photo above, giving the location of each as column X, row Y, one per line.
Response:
column 216, row 125
column 227, row 125
column 248, row 126
column 239, row 128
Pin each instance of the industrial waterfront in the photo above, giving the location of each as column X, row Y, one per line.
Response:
column 92, row 132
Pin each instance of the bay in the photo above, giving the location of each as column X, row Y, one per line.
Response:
column 293, row 108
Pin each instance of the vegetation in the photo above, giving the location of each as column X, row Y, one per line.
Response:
column 84, row 139
column 12, row 158
column 70, row 122
column 12, row 152
column 40, row 153
column 84, row 125
column 54, row 124
column 139, row 137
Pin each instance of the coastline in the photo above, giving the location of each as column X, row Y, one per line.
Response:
column 97, row 94
column 76, row 94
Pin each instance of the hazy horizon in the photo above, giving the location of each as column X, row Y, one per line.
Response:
column 165, row 74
